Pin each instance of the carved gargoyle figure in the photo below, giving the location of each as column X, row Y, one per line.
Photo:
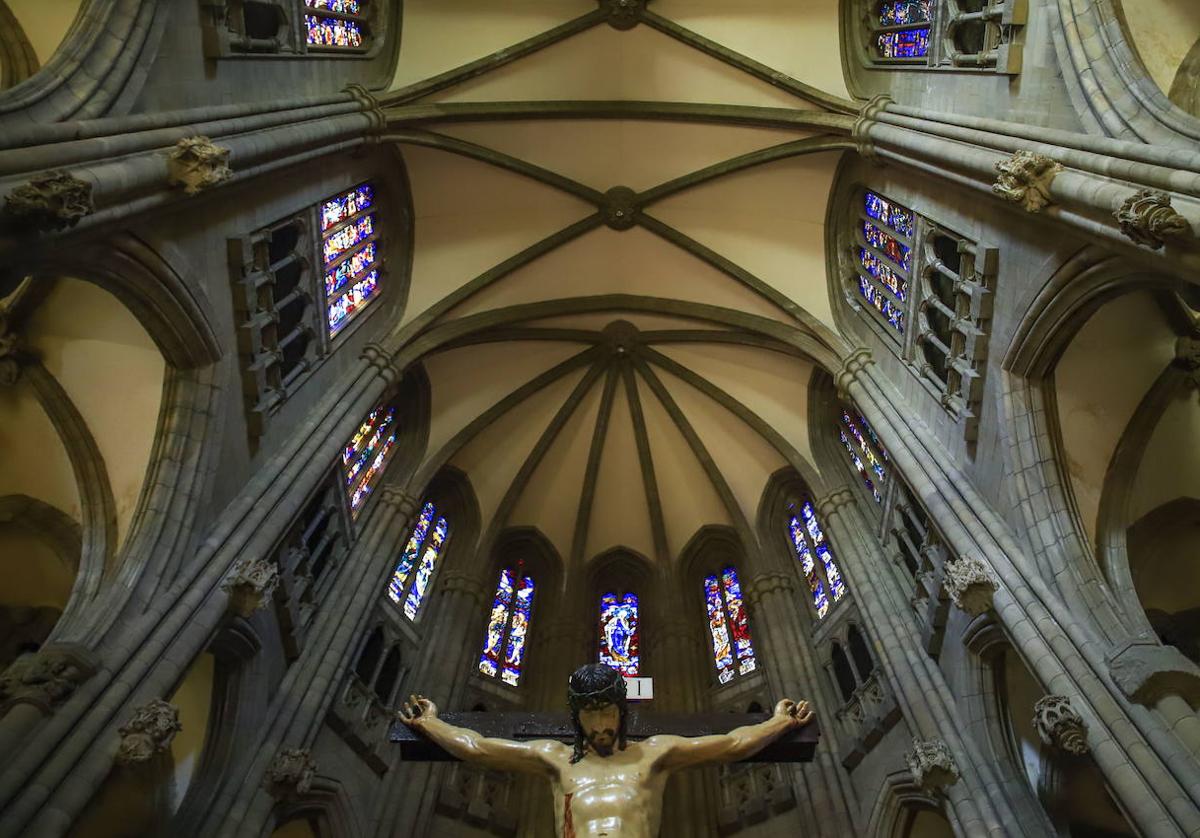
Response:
column 251, row 585
column 149, row 732
column 1148, row 219
column 197, row 163
column 1025, row 179
column 971, row 585
column 52, row 200
column 292, row 772
column 932, row 765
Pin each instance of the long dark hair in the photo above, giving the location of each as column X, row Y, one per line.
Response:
column 591, row 687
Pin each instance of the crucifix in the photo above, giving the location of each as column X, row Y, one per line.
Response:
column 607, row 767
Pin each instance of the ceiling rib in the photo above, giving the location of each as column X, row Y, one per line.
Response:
column 658, row 524
column 748, row 65
column 455, row 444
column 525, row 333
column 587, row 496
column 495, row 60
column 654, row 336
column 699, row 450
column 521, row 480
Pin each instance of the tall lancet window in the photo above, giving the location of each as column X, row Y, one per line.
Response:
column 351, row 253
column 866, row 453
column 882, row 252
column 808, row 539
column 902, row 30
column 733, row 651
column 414, row 574
column 619, row 632
column 508, row 627
column 367, row 454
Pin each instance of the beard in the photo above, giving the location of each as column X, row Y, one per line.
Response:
column 607, row 739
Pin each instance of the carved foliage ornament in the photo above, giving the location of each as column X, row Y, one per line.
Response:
column 1187, row 356
column 11, row 355
column 1059, row 725
column 197, row 163
column 51, row 200
column 45, row 679
column 149, row 732
column 251, row 585
column 1148, row 219
column 1025, row 179
column 971, row 584
column 291, row 773
column 932, row 765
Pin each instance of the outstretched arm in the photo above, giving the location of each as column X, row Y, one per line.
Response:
column 739, row 743
column 535, row 757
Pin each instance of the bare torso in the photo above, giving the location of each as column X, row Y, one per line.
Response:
column 617, row 796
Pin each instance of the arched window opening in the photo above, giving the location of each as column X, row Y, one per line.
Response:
column 903, row 31
column 389, row 673
column 843, row 675
column 367, row 454
column 351, row 254
column 368, row 658
column 504, row 643
column 733, row 650
column 882, row 252
column 866, row 453
column 860, row 653
column 619, row 641
column 428, row 540
column 808, row 540
column 946, row 34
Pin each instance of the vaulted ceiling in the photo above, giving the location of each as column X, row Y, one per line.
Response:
column 642, row 298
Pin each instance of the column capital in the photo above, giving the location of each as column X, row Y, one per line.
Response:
column 932, row 765
column 457, row 581
column 381, row 360
column 971, row 584
column 867, row 117
column 399, row 500
column 1059, row 725
column 45, row 678
column 251, row 585
column 291, row 773
column 148, row 732
column 834, row 501
column 852, row 367
column 770, row 582
column 369, row 104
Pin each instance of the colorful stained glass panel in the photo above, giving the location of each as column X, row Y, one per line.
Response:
column 888, row 245
column 336, row 210
column 815, row 585
column 891, row 214
column 890, row 311
column 429, row 560
column 367, row 453
column 722, row 650
column 907, row 43
column 836, row 585
column 345, row 238
column 878, row 269
column 349, row 268
column 489, row 659
column 358, row 295
column 514, row 652
column 346, row 7
column 739, row 627
column 619, row 632
column 333, row 31
column 411, row 550
column 902, row 12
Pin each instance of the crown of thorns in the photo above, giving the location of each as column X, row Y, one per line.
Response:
column 592, row 687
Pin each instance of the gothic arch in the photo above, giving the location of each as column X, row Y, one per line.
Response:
column 898, row 798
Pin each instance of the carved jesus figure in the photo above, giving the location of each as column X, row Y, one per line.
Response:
column 604, row 787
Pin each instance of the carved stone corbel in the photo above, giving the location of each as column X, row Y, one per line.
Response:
column 1025, row 179
column 1187, row 356
column 1148, row 219
column 12, row 355
column 51, row 200
column 291, row 773
column 1146, row 671
column 44, row 679
column 196, row 163
column 149, row 732
column 1059, row 725
column 971, row 585
column 251, row 585
column 932, row 765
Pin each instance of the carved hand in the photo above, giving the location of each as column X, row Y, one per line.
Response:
column 418, row 709
column 798, row 714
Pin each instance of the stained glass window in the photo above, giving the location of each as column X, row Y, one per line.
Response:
column 350, row 250
column 733, row 651
column 866, row 453
column 619, row 632
column 808, row 540
column 900, row 12
column 508, row 627
column 336, row 23
column 366, row 455
column 903, row 29
column 883, row 255
column 422, row 553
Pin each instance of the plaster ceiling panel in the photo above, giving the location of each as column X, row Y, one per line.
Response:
column 644, row 322
column 603, row 63
column 770, row 220
column 620, row 513
column 607, row 261
column 607, row 153
column 471, row 216
column 33, row 460
column 467, row 381
column 689, row 500
column 550, row 501
column 772, row 384
column 800, row 39
column 95, row 347
column 440, row 35
column 1170, row 467
column 1099, row 381
column 744, row 458
column 492, row 458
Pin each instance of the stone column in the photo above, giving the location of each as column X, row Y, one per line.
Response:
column 1153, row 775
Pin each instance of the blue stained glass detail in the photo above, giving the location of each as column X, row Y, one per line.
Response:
column 876, row 268
column 901, row 12
column 366, row 454
column 518, row 633
column 836, row 585
column 489, row 659
column 619, row 633
column 888, row 245
column 815, row 585
column 346, row 7
column 717, row 629
column 739, row 626
column 862, row 469
column 339, row 242
column 411, row 550
column 907, row 43
column 429, row 560
column 882, row 304
column 333, row 31
column 358, row 295
column 336, row 210
column 352, row 267
column 891, row 214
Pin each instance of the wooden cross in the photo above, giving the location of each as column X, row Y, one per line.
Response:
column 795, row 746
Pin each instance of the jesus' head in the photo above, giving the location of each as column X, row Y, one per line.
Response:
column 596, row 694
